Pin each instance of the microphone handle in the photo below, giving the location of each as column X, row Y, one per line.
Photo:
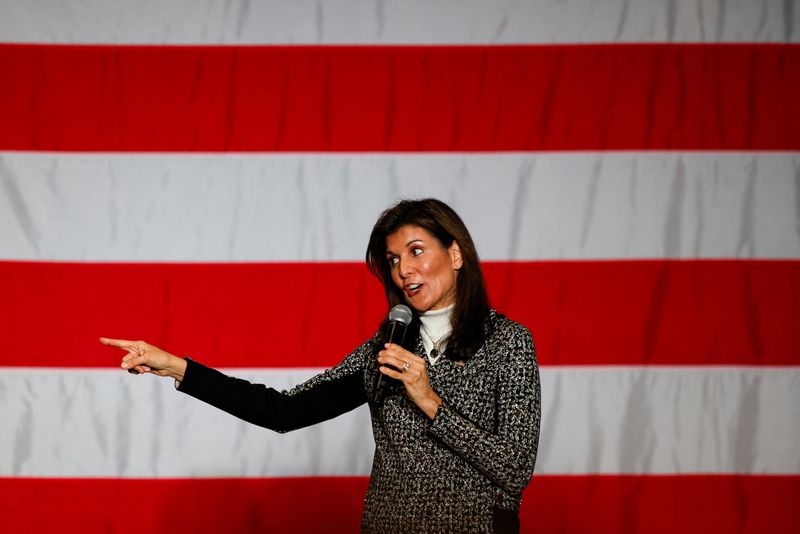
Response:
column 395, row 333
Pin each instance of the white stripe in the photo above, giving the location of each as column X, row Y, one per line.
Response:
column 314, row 207
column 398, row 21
column 93, row 423
column 668, row 420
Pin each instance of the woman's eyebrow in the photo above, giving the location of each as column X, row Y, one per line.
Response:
column 390, row 253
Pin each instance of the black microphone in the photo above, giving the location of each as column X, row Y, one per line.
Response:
column 399, row 319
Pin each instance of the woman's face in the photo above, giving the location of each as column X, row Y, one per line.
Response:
column 423, row 269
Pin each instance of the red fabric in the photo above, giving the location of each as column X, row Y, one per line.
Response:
column 248, row 315
column 688, row 504
column 400, row 98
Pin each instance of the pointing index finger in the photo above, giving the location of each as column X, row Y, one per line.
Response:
column 121, row 343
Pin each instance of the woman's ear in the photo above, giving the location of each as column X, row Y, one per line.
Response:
column 455, row 255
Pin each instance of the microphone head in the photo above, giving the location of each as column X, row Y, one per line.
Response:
column 400, row 313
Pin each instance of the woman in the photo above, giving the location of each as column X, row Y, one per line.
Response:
column 456, row 441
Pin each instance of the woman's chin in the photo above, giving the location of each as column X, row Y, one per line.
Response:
column 418, row 306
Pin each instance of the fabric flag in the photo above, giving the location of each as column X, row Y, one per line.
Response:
column 204, row 176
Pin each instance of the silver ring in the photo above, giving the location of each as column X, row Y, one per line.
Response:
column 406, row 367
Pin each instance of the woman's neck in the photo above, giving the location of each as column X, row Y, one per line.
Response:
column 434, row 330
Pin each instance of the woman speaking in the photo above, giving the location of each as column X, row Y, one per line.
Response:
column 455, row 408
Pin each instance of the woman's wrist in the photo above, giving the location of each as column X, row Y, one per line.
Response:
column 177, row 368
column 430, row 404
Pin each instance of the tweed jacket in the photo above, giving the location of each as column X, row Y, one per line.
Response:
column 463, row 471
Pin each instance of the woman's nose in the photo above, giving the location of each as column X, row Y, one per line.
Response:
column 405, row 268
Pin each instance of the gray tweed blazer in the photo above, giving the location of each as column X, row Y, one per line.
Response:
column 464, row 471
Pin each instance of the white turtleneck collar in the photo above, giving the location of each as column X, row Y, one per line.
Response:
column 435, row 326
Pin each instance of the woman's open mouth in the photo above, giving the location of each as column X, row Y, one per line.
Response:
column 412, row 289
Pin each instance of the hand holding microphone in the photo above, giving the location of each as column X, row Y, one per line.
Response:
column 399, row 318
column 400, row 367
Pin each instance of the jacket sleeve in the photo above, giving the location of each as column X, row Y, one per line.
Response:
column 506, row 454
column 325, row 396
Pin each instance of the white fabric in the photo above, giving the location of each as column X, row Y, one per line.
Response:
column 436, row 326
column 656, row 420
column 397, row 21
column 594, row 205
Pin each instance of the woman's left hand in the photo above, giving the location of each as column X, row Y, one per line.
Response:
column 413, row 373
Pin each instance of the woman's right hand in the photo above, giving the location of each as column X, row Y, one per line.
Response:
column 142, row 357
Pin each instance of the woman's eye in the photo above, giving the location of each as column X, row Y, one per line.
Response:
column 416, row 251
column 393, row 260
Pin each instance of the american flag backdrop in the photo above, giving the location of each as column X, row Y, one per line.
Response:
column 204, row 176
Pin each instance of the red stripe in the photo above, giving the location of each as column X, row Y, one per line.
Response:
column 400, row 98
column 654, row 504
column 312, row 314
column 687, row 504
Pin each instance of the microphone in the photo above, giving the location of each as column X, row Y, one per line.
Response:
column 399, row 319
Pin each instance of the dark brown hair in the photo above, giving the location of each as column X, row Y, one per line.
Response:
column 442, row 222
